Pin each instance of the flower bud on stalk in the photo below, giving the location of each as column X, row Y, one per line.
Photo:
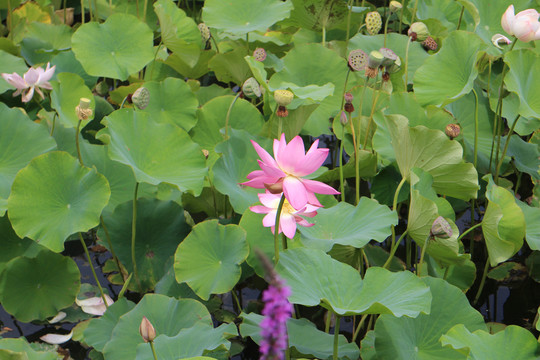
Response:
column 146, row 330
column 283, row 98
column 83, row 109
column 343, row 118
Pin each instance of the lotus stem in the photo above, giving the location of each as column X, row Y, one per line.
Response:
column 373, row 104
column 394, row 247
column 468, row 231
column 284, row 241
column 229, row 114
column 475, row 162
column 414, row 11
column 336, row 337
column 341, row 180
column 134, row 234
column 349, row 8
column 236, row 300
column 407, row 64
column 421, row 262
column 357, row 159
column 53, row 123
column 460, row 16
column 482, row 282
column 328, row 321
column 394, row 207
column 501, row 160
column 386, row 27
column 108, row 238
column 276, row 228
column 360, row 324
column 144, row 10
column 324, row 35
column 93, row 270
column 401, row 16
column 446, row 271
column 82, row 11
column 215, row 43
column 125, row 286
column 77, row 143
column 153, row 350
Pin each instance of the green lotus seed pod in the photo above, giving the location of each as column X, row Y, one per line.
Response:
column 389, row 56
column 441, row 228
column 418, row 31
column 373, row 22
column 395, row 6
column 357, row 60
column 283, row 97
column 102, row 88
column 251, row 88
column 84, row 103
column 394, row 67
column 375, row 59
column 141, row 98
column 205, row 31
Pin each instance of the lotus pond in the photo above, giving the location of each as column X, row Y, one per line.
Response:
column 298, row 179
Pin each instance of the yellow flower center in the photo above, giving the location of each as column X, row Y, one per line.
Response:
column 287, row 208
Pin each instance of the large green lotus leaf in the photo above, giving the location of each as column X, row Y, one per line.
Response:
column 523, row 78
column 43, row 40
column 406, row 339
column 120, row 46
column 432, row 151
column 448, row 12
column 10, row 64
column 193, row 72
column 526, row 156
column 168, row 316
column 66, row 62
column 120, row 176
column 161, row 226
column 230, row 66
column 463, row 111
column 12, row 246
column 461, row 275
column 20, row 141
column 71, row 199
column 212, row 116
column 532, row 219
column 513, row 342
column 318, row 14
column 179, row 32
column 109, row 7
column 237, row 160
column 398, row 44
column 449, row 74
column 308, row 65
column 194, row 341
column 346, row 224
column 239, row 17
column 503, row 224
column 65, row 97
column 315, row 278
column 304, row 337
column 172, row 101
column 20, row 349
column 37, row 288
column 156, row 152
column 209, row 258
column 99, row 330
column 257, row 237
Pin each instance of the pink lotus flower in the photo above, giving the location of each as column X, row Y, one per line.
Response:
column 524, row 25
column 289, row 217
column 285, row 172
column 33, row 79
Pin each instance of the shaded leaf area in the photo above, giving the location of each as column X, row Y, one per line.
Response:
column 304, row 338
column 318, row 14
column 20, row 349
column 315, row 278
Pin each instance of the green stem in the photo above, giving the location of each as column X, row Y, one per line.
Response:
column 236, row 300
column 460, row 16
column 341, row 180
column 349, row 8
column 154, row 62
column 336, row 337
column 360, row 324
column 482, row 282
column 394, row 207
column 123, row 102
column 53, row 124
column 65, row 10
column 323, row 35
column 401, row 15
column 414, row 11
column 144, row 10
column 229, row 114
column 394, row 247
column 93, row 270
column 357, row 158
column 284, row 241
column 134, row 234
column 408, row 252
column 501, row 160
column 407, row 63
column 468, row 231
column 125, row 286
column 276, row 228
column 328, row 321
column 421, row 262
column 215, row 44
column 446, row 271
column 77, row 142
column 475, row 162
column 82, row 11
column 153, row 350
column 386, row 27
column 108, row 238
column 373, row 104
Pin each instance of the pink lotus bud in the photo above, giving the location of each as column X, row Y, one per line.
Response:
column 524, row 25
column 147, row 331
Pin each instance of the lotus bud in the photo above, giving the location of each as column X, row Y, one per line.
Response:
column 357, row 60
column 83, row 109
column 389, row 56
column 251, row 88
column 373, row 22
column 499, row 38
column 430, row 44
column 418, row 31
column 102, row 88
column 452, row 130
column 205, row 32
column 395, row 6
column 348, row 102
column 141, row 98
column 259, row 54
column 441, row 228
column 147, row 331
column 343, row 119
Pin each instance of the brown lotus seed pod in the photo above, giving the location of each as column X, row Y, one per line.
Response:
column 441, row 228
column 251, row 88
column 141, row 98
column 205, row 32
column 420, row 31
column 357, row 60
column 372, row 73
column 348, row 107
column 259, row 54
column 146, row 330
column 283, row 97
column 373, row 22
column 83, row 109
column 430, row 44
column 452, row 130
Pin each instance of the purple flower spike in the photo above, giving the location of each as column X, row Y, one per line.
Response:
column 277, row 310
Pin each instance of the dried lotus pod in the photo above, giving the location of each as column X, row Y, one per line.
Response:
column 452, row 131
column 205, row 32
column 259, row 54
column 357, row 60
